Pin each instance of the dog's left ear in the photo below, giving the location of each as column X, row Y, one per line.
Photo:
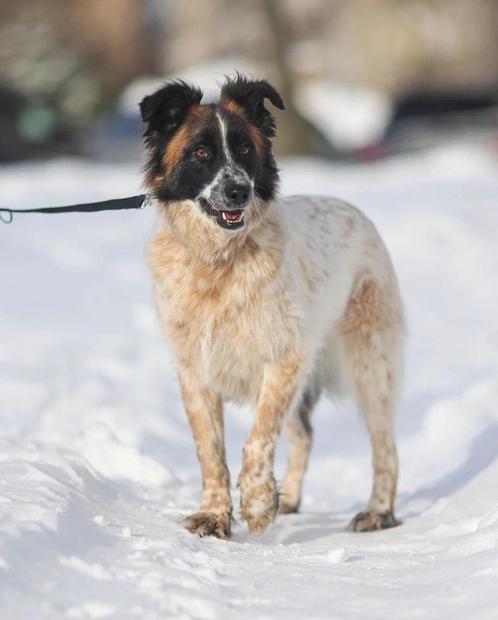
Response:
column 249, row 96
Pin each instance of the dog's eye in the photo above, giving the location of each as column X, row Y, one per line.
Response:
column 245, row 149
column 201, row 152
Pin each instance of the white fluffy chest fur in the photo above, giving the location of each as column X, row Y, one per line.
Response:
column 282, row 288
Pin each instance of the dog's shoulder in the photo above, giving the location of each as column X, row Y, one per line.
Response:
column 322, row 221
column 315, row 206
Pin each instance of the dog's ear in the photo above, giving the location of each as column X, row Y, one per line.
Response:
column 165, row 110
column 249, row 96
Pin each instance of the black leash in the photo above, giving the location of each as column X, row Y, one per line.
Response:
column 132, row 202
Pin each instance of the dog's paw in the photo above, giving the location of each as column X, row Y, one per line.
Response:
column 258, row 503
column 208, row 524
column 369, row 521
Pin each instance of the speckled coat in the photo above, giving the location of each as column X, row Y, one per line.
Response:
column 303, row 300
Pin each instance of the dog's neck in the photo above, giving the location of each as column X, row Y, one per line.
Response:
column 204, row 240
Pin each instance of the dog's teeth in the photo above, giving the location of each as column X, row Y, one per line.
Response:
column 230, row 217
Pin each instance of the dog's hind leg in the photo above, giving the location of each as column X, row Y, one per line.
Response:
column 205, row 415
column 299, row 435
column 372, row 333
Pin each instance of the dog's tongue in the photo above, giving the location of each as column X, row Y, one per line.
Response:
column 232, row 216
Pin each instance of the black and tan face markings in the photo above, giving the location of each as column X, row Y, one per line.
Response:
column 210, row 154
column 212, row 160
column 239, row 142
column 230, row 190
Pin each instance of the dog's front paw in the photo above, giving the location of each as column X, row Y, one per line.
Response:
column 208, row 524
column 369, row 521
column 258, row 502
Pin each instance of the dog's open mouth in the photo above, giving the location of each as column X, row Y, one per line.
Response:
column 229, row 219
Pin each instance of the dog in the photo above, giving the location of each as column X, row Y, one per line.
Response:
column 264, row 300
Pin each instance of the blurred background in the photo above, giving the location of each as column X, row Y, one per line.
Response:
column 362, row 79
column 392, row 105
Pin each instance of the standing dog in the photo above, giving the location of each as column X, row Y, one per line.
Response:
column 265, row 301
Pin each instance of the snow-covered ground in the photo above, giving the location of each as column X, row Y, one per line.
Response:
column 97, row 466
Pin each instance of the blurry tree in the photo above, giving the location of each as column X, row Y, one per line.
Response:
column 398, row 45
column 75, row 56
column 296, row 134
column 62, row 62
column 259, row 31
column 391, row 46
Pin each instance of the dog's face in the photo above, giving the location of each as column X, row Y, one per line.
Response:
column 219, row 157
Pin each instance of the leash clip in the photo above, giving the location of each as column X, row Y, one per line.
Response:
column 147, row 201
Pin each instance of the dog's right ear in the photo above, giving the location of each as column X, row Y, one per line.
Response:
column 165, row 110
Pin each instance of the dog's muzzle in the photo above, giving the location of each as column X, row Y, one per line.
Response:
column 231, row 219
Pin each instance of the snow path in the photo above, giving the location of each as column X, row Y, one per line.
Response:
column 97, row 466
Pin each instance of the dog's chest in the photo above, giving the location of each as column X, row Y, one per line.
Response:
column 227, row 325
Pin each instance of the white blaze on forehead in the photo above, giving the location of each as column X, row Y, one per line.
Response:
column 224, row 141
column 230, row 165
column 206, row 192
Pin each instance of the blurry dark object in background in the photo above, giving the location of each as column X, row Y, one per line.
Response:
column 423, row 117
column 439, row 103
column 62, row 66
column 115, row 137
column 29, row 128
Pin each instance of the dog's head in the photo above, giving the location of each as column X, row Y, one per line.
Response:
column 217, row 157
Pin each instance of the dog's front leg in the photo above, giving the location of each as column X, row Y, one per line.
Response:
column 205, row 414
column 258, row 491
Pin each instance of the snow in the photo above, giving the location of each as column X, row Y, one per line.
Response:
column 97, row 466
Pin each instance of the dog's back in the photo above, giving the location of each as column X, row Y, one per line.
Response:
column 333, row 251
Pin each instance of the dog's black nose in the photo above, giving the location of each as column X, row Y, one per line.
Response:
column 237, row 193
